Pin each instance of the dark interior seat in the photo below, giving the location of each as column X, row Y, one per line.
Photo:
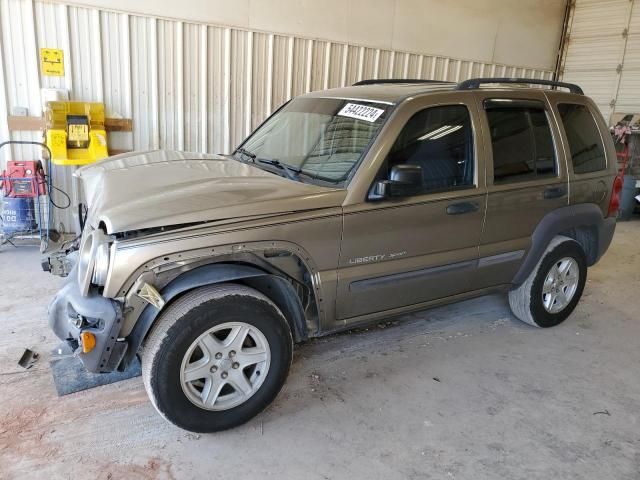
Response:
column 438, row 169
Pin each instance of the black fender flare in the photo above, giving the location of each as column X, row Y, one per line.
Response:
column 278, row 289
column 561, row 221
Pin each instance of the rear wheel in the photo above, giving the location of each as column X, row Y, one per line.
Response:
column 216, row 357
column 554, row 287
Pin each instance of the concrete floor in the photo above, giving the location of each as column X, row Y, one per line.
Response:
column 460, row 392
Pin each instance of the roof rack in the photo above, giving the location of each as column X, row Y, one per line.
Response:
column 474, row 83
column 374, row 81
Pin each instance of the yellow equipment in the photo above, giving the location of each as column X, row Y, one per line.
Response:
column 75, row 132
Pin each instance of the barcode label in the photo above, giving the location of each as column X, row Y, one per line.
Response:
column 361, row 112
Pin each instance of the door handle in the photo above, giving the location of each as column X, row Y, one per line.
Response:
column 462, row 207
column 554, row 192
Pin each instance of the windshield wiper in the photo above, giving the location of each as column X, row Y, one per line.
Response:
column 288, row 170
column 246, row 152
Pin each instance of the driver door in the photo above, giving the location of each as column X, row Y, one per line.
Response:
column 401, row 251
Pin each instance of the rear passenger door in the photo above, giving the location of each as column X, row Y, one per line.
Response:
column 526, row 179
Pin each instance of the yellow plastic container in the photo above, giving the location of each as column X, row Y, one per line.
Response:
column 64, row 137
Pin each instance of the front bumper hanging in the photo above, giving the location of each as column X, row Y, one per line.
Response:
column 73, row 316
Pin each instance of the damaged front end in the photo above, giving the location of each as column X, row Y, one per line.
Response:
column 61, row 262
column 89, row 324
column 79, row 314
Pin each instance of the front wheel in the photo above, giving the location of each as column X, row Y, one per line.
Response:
column 216, row 357
column 554, row 287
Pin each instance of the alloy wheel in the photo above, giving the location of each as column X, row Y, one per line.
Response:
column 560, row 285
column 225, row 366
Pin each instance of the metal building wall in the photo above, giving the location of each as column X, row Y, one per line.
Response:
column 185, row 85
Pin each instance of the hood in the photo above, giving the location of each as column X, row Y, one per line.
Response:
column 159, row 188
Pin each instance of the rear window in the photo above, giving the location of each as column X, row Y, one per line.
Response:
column 585, row 142
column 522, row 144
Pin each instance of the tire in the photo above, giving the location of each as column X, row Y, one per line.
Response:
column 187, row 330
column 528, row 302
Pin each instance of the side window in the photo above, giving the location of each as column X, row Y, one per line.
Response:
column 522, row 143
column 438, row 139
column 585, row 143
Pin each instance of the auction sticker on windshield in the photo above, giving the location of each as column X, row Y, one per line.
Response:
column 361, row 112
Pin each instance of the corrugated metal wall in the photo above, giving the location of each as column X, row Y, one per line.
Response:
column 187, row 86
column 603, row 53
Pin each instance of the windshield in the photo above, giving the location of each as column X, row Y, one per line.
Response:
column 319, row 140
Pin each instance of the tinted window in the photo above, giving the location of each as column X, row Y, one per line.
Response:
column 439, row 140
column 522, row 144
column 585, row 143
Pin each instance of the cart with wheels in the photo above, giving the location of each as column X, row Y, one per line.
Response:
column 25, row 201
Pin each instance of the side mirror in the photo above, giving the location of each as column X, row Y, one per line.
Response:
column 407, row 174
column 404, row 180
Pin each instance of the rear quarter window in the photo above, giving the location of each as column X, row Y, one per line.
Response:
column 585, row 142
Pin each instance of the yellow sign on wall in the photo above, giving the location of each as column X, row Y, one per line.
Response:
column 52, row 62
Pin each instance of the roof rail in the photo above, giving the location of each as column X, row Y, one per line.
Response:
column 474, row 83
column 374, row 81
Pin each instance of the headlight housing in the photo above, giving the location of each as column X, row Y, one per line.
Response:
column 101, row 265
column 93, row 260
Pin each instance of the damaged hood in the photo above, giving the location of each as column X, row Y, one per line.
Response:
column 160, row 188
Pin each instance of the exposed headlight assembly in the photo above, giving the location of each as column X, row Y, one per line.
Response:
column 93, row 260
column 101, row 265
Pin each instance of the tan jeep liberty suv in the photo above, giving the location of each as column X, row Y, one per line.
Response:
column 345, row 207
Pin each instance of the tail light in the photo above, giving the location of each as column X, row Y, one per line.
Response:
column 614, row 203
